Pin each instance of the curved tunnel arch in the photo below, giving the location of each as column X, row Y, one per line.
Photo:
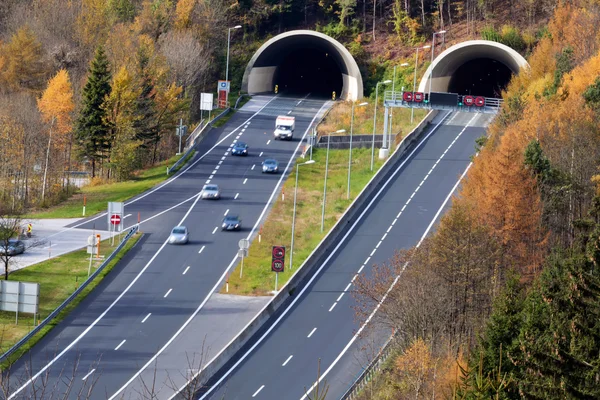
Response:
column 304, row 60
column 492, row 63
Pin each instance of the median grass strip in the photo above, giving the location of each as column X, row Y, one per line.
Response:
column 257, row 277
column 97, row 196
column 58, row 278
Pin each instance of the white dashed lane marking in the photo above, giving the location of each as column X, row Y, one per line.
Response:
column 120, row 344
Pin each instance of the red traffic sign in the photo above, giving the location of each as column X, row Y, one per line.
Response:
column 115, row 219
column 479, row 101
column 419, row 97
column 278, row 259
column 469, row 100
column 407, row 96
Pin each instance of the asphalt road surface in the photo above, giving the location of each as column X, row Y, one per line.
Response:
column 158, row 288
column 320, row 322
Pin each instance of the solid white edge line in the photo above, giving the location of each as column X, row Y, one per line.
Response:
column 95, row 322
column 307, row 285
column 88, row 374
column 311, row 332
column 258, row 391
column 233, row 261
column 146, row 317
column 168, row 181
column 437, row 214
column 120, row 344
column 287, row 361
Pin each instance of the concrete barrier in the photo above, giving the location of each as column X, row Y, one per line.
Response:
column 314, row 260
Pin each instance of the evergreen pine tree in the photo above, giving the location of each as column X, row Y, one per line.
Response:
column 92, row 131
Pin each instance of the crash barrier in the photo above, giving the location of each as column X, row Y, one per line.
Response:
column 69, row 299
column 358, row 141
column 252, row 331
column 237, row 102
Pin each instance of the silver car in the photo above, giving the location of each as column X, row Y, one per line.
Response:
column 179, row 235
column 211, row 192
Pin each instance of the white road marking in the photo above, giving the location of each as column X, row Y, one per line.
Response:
column 261, row 153
column 340, row 297
column 99, row 318
column 88, row 374
column 253, row 167
column 258, row 391
column 378, row 244
column 367, row 260
column 207, row 181
column 353, row 278
column 236, row 196
column 214, row 172
column 286, row 361
column 245, row 180
column 383, row 237
column 361, row 268
column 186, row 270
column 201, row 250
column 234, row 141
column 223, row 158
column 347, row 287
column 215, row 230
column 373, row 252
column 298, row 103
column 120, row 344
column 210, row 177
column 394, row 221
column 220, row 162
column 389, row 229
column 289, row 112
column 332, row 307
column 268, row 141
column 146, row 317
column 168, row 292
column 128, row 215
column 226, row 212
column 216, row 168
column 311, row 332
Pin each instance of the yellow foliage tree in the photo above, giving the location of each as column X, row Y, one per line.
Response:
column 183, row 13
column 23, row 61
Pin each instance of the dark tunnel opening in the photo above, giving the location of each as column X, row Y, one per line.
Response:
column 480, row 77
column 309, row 70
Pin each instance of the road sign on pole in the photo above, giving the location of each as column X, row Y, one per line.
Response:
column 278, row 259
column 115, row 219
column 118, row 209
column 244, row 244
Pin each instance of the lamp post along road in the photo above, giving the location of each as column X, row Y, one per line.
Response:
column 375, row 120
column 412, row 108
column 227, row 64
column 294, row 214
column 431, row 65
column 325, row 184
column 350, row 152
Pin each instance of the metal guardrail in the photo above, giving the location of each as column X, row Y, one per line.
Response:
column 181, row 160
column 69, row 299
column 369, row 372
column 237, row 102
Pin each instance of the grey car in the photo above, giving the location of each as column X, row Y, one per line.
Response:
column 231, row 223
column 270, row 165
column 12, row 247
column 211, row 192
column 179, row 235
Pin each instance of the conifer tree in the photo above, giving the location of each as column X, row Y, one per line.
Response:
column 145, row 124
column 92, row 131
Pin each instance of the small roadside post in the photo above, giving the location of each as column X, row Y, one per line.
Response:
column 243, row 244
column 277, row 262
column 91, row 247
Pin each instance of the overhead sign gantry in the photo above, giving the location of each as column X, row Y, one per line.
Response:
column 443, row 101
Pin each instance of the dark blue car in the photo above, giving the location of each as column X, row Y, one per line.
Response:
column 239, row 149
column 270, row 165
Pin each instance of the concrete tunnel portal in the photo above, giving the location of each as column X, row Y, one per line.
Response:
column 304, row 61
column 474, row 67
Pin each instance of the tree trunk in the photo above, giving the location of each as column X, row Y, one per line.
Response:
column 6, row 260
column 47, row 159
column 374, row 12
column 423, row 13
column 364, row 15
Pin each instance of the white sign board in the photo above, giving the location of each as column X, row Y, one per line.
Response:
column 115, row 209
column 19, row 296
column 206, row 101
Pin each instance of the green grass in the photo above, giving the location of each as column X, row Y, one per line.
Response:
column 257, row 276
column 58, row 279
column 98, row 196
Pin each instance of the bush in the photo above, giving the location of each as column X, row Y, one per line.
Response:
column 489, row 33
column 513, row 38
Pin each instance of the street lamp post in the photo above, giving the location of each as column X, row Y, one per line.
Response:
column 350, row 153
column 394, row 98
column 375, row 119
column 431, row 65
column 325, row 185
column 412, row 108
column 227, row 64
column 294, row 214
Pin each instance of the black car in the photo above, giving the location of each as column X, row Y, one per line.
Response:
column 231, row 223
column 239, row 149
column 12, row 247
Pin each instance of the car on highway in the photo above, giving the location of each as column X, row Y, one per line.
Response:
column 239, row 149
column 179, row 235
column 270, row 165
column 12, row 247
column 231, row 223
column 211, row 192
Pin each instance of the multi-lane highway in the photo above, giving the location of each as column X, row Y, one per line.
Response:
column 157, row 289
column 320, row 322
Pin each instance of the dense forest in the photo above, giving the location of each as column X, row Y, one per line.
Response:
column 98, row 85
column 503, row 300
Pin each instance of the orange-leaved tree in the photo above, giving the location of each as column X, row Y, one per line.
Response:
column 56, row 106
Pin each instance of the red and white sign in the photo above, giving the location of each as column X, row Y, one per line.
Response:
column 469, row 100
column 407, row 96
column 115, row 219
column 419, row 97
column 479, row 101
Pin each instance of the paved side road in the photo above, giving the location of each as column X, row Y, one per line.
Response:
column 51, row 238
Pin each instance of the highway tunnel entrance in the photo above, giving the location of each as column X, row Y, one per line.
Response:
column 475, row 67
column 303, row 62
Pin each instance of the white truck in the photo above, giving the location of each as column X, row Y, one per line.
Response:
column 284, row 127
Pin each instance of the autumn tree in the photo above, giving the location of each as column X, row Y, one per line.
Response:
column 56, row 106
column 23, row 59
column 92, row 131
